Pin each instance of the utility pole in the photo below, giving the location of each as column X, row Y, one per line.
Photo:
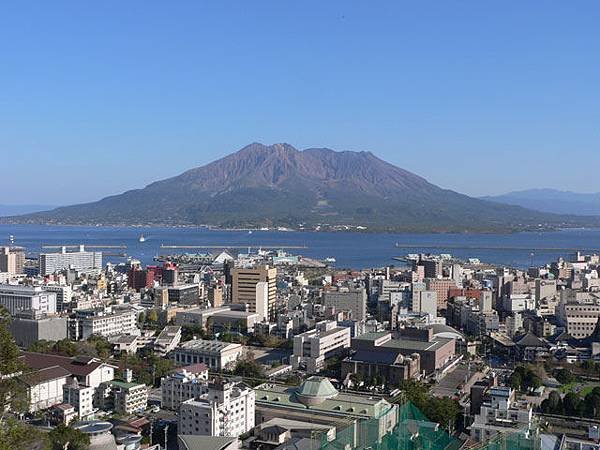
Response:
column 166, row 435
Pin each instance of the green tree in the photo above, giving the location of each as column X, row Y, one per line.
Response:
column 564, row 376
column 15, row 434
column 41, row 346
column 553, row 404
column 152, row 316
column 572, row 404
column 12, row 394
column 66, row 347
column 67, row 438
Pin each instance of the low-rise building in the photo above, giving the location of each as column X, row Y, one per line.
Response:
column 167, row 340
column 500, row 413
column 105, row 323
column 44, row 387
column 17, row 298
column 216, row 355
column 31, row 326
column 318, row 402
column 79, row 396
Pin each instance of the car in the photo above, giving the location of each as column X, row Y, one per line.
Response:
column 155, row 409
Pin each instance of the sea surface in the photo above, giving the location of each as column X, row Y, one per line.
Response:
column 351, row 250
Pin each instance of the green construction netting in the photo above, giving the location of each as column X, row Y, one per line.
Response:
column 407, row 428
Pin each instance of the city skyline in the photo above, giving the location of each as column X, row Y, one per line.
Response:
column 118, row 96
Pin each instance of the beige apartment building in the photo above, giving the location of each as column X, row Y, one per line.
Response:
column 257, row 288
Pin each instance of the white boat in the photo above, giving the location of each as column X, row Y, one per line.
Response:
column 142, row 238
column 330, row 260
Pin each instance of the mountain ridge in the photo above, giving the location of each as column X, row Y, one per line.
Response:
column 552, row 201
column 278, row 185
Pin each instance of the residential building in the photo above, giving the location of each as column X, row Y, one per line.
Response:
column 314, row 347
column 499, row 414
column 183, row 384
column 17, row 298
column 80, row 396
column 122, row 397
column 216, row 355
column 64, row 295
column 247, row 289
column 441, row 286
column 12, row 260
column 78, row 260
column 227, row 409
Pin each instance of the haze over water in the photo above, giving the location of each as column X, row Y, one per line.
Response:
column 351, row 250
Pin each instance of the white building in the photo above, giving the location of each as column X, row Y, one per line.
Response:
column 18, row 298
column 45, row 387
column 80, row 260
column 167, row 340
column 227, row 409
column 518, row 303
column 312, row 348
column 500, row 414
column 184, row 384
column 216, row 355
column 80, row 396
column 103, row 323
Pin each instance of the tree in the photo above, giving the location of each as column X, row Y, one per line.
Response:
column 152, row 316
column 553, row 404
column 67, row 438
column 66, row 347
column 15, row 434
column 41, row 346
column 564, row 376
column 12, row 394
column 572, row 404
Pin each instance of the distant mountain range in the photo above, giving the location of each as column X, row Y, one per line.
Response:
column 552, row 201
column 13, row 210
column 277, row 185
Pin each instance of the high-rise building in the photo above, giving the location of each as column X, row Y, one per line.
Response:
column 354, row 300
column 246, row 289
column 79, row 260
column 12, row 260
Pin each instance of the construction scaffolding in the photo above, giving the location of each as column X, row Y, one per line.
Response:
column 407, row 428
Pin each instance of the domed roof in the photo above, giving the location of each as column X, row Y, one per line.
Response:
column 315, row 390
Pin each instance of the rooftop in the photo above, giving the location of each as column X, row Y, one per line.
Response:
column 213, row 346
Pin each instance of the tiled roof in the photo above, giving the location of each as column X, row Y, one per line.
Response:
column 43, row 375
column 73, row 366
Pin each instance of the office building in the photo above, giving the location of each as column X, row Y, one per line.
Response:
column 313, row 348
column 107, row 322
column 441, row 286
column 247, row 288
column 79, row 260
column 354, row 300
column 227, row 409
column 17, row 298
column 185, row 294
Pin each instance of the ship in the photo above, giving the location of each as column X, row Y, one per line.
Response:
column 141, row 238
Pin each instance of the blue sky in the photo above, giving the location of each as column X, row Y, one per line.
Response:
column 480, row 97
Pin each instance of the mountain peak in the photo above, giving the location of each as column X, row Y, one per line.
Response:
column 279, row 185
